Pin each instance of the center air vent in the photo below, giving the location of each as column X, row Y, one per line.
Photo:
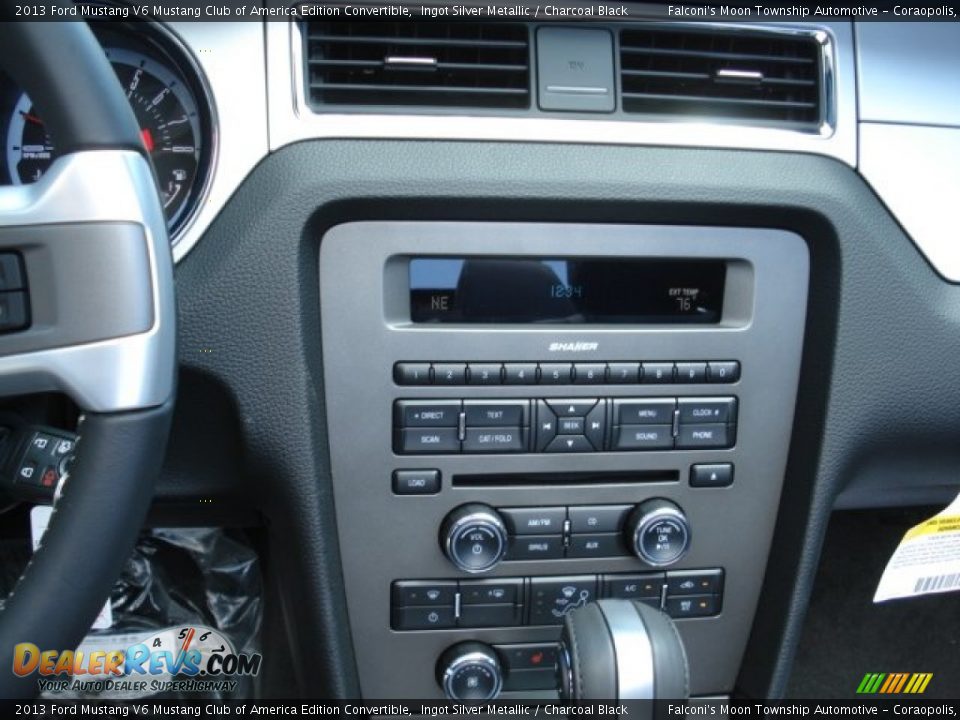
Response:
column 483, row 65
column 770, row 77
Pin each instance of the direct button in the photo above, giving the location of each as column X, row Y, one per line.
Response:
column 493, row 440
column 434, row 413
column 429, row 441
column 534, row 521
column 416, row 482
column 708, row 410
column 644, row 412
column 495, row 413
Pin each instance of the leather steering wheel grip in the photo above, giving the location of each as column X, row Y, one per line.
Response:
column 106, row 494
column 622, row 650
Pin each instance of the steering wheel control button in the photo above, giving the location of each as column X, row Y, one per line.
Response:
column 520, row 374
column 552, row 598
column 419, row 592
column 536, row 547
column 715, row 475
column 416, row 482
column 644, row 412
column 423, row 618
column 657, row 531
column 429, row 441
column 644, row 437
column 707, row 410
column 13, row 311
column 723, row 372
column 470, row 671
column 695, row 582
column 534, row 521
column 11, row 272
column 495, row 413
column 435, row 413
column 412, row 373
column 692, row 606
column 657, row 373
column 598, row 519
column 474, row 537
column 708, row 436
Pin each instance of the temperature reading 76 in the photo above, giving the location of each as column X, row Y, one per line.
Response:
column 685, row 298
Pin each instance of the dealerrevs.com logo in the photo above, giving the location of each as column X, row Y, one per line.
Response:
column 191, row 658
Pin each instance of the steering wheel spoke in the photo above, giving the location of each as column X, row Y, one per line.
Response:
column 90, row 276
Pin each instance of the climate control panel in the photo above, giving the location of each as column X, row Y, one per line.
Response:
column 563, row 425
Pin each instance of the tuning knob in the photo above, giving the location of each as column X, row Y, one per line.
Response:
column 470, row 671
column 658, row 532
column 473, row 537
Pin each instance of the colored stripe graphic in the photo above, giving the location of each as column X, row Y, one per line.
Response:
column 894, row 683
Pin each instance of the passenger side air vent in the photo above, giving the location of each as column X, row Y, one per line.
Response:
column 482, row 65
column 765, row 77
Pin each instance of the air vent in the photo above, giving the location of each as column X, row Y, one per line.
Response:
column 480, row 65
column 767, row 78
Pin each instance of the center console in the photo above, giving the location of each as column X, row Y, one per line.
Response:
column 527, row 417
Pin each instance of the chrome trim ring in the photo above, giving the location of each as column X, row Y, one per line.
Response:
column 661, row 513
column 481, row 519
column 488, row 662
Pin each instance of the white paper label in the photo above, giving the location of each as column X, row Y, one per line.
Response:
column 39, row 519
column 927, row 559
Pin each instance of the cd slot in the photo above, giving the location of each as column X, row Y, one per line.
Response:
column 633, row 477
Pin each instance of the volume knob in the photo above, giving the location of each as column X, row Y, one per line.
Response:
column 473, row 537
column 657, row 531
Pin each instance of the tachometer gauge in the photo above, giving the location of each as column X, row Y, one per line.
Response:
column 170, row 126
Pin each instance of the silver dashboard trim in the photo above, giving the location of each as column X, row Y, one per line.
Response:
column 120, row 373
column 633, row 650
column 291, row 119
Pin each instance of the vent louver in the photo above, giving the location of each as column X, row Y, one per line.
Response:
column 433, row 64
column 767, row 78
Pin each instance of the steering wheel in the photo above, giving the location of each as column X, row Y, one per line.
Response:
column 92, row 241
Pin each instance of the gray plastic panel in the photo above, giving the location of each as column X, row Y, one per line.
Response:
column 575, row 69
column 364, row 333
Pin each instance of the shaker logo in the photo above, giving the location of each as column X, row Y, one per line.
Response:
column 573, row 346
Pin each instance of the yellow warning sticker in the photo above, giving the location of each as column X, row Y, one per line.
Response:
column 927, row 559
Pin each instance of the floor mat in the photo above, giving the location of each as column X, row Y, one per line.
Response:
column 847, row 636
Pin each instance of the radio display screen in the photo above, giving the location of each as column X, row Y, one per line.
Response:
column 628, row 291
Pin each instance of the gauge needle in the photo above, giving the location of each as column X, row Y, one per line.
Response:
column 147, row 139
column 31, row 118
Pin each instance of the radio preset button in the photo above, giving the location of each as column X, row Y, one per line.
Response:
column 657, row 373
column 449, row 374
column 723, row 372
column 555, row 373
column 644, row 437
column 589, row 373
column 411, row 373
column 623, row 373
column 520, row 373
column 432, row 413
column 691, row 372
column 485, row 373
column 495, row 413
column 429, row 441
column 534, row 521
column 708, row 410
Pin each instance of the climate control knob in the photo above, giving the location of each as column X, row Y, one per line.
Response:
column 473, row 537
column 470, row 671
column 658, row 532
